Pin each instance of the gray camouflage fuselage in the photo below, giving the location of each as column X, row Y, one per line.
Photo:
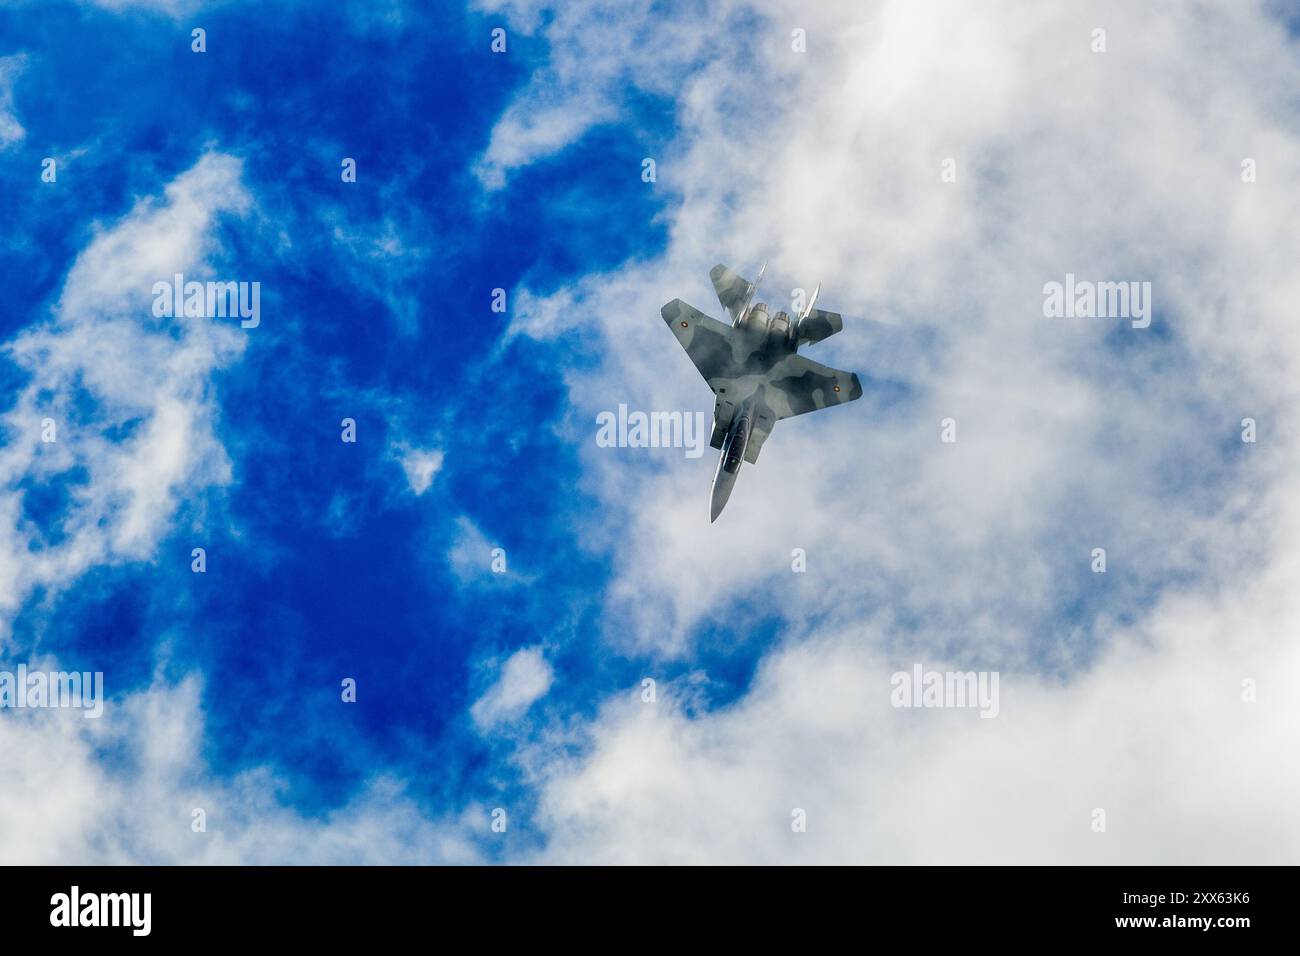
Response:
column 755, row 371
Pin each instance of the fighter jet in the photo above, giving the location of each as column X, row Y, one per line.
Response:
column 754, row 370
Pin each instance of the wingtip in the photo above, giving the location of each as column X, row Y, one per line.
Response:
column 855, row 390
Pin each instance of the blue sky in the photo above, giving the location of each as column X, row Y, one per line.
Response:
column 336, row 569
column 522, row 171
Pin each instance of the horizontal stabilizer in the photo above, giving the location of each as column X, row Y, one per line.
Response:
column 733, row 290
column 819, row 324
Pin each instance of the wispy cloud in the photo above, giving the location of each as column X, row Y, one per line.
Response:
column 118, row 409
column 477, row 561
column 11, row 130
column 590, row 74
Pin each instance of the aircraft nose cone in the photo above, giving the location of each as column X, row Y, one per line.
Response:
column 722, row 485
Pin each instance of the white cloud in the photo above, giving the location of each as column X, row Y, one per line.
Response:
column 419, row 465
column 1122, row 165
column 1157, row 735
column 62, row 804
column 524, row 679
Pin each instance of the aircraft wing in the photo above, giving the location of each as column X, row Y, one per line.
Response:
column 705, row 339
column 802, row 385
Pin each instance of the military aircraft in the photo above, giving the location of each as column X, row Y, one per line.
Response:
column 753, row 367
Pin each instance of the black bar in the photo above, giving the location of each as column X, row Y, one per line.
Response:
column 324, row 905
